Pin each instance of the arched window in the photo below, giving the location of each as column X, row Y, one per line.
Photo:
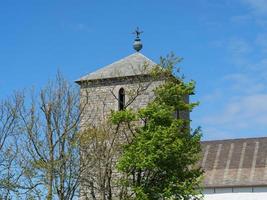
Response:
column 121, row 99
column 177, row 114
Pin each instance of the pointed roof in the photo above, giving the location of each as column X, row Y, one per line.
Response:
column 131, row 65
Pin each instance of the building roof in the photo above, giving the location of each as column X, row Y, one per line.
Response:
column 131, row 65
column 236, row 162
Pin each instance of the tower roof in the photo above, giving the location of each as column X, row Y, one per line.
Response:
column 132, row 65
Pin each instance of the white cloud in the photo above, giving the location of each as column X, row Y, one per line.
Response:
column 257, row 12
column 239, row 50
column 244, row 84
column 242, row 101
column 249, row 55
column 258, row 7
column 238, row 106
column 82, row 27
column 239, row 46
column 261, row 41
column 241, row 113
column 241, row 19
column 212, row 133
column 213, row 96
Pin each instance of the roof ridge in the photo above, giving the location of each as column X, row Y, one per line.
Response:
column 127, row 66
column 120, row 60
column 234, row 139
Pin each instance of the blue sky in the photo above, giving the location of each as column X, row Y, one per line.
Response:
column 223, row 43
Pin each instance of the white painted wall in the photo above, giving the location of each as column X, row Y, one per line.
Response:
column 237, row 196
column 236, row 193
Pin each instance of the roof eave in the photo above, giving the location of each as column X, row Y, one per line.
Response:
column 113, row 78
column 233, row 185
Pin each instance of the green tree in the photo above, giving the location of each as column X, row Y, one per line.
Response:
column 9, row 174
column 39, row 149
column 49, row 153
column 160, row 160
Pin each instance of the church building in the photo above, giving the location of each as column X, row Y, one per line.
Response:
column 234, row 169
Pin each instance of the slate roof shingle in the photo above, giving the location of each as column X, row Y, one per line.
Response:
column 131, row 65
column 235, row 162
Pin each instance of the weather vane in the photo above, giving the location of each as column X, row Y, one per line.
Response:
column 137, row 32
column 137, row 45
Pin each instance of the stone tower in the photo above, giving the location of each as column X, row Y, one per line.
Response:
column 126, row 83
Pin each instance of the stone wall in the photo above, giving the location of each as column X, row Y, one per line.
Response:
column 102, row 96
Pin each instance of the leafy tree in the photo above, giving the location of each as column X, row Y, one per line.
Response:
column 101, row 145
column 49, row 154
column 9, row 174
column 160, row 159
column 39, row 149
column 155, row 152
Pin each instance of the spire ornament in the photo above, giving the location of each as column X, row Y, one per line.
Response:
column 137, row 45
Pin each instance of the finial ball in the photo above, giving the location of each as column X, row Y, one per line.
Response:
column 137, row 45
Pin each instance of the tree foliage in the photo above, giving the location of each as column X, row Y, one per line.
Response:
column 9, row 175
column 144, row 154
column 50, row 156
column 160, row 160
column 39, row 151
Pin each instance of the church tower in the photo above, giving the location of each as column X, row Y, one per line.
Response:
column 234, row 169
column 126, row 83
